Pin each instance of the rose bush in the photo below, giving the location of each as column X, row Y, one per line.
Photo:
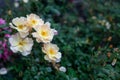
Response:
column 88, row 35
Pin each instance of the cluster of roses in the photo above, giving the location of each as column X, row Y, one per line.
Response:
column 40, row 30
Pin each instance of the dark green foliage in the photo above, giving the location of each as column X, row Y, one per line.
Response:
column 84, row 40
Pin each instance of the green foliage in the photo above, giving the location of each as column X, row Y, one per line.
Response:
column 83, row 38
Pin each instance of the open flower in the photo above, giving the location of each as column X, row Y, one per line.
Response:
column 20, row 25
column 43, row 33
column 52, row 52
column 18, row 44
column 34, row 20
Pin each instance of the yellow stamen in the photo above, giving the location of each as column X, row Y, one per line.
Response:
column 52, row 51
column 34, row 22
column 21, row 43
column 43, row 33
column 20, row 27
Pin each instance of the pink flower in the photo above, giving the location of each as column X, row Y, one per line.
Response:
column 6, row 52
column 7, row 35
column 2, row 21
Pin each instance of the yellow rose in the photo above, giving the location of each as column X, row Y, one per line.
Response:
column 43, row 33
column 18, row 44
column 34, row 20
column 52, row 52
column 20, row 25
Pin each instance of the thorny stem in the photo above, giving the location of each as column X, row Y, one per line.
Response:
column 54, row 65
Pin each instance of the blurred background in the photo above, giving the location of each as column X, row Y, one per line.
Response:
column 88, row 37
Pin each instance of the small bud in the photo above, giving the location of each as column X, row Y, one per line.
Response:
column 114, row 62
column 107, row 25
column 55, row 32
column 25, row 1
column 108, row 54
column 63, row 69
column 9, row 12
column 94, row 17
column 116, row 49
column 109, row 38
column 3, row 71
column 111, row 46
column 16, row 4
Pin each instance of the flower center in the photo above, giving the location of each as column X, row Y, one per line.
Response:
column 22, row 43
column 52, row 51
column 20, row 27
column 34, row 22
column 44, row 33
